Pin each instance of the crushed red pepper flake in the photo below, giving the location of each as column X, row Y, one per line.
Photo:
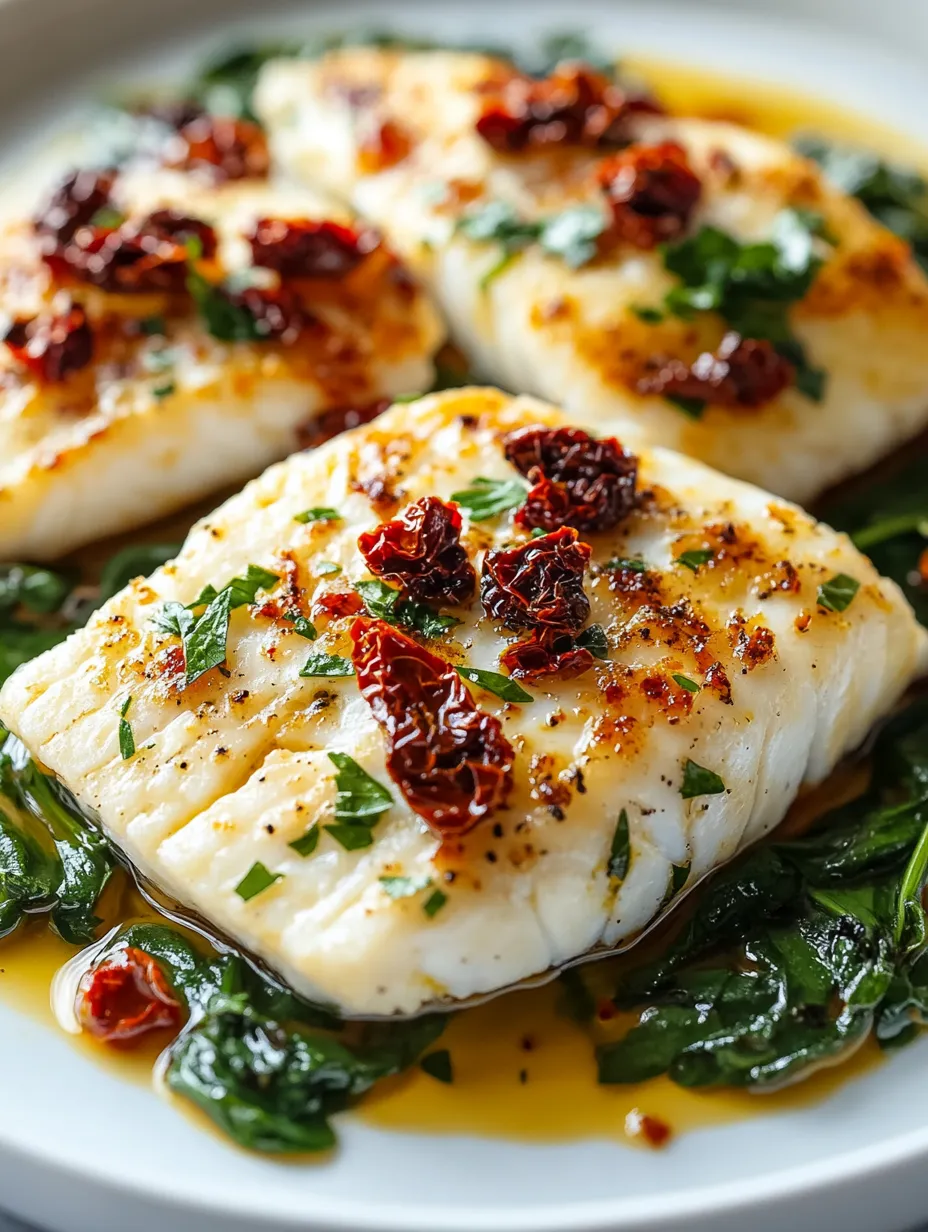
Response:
column 126, row 997
column 303, row 248
column 538, row 585
column 449, row 758
column 577, row 480
column 421, row 551
column 652, row 192
column 54, row 344
column 743, row 372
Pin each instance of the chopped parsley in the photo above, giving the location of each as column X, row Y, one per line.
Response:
column 327, row 568
column 107, row 218
column 650, row 316
column 404, row 887
column 620, row 853
column 166, row 390
column 225, row 319
column 434, row 903
column 327, row 665
column 307, row 843
column 383, row 602
column 695, row 558
column 633, row 565
column 595, row 641
column 691, row 407
column 837, row 594
column 153, row 327
column 572, row 235
column 896, row 196
column 302, row 626
column 677, row 878
column 126, row 738
column 698, row 781
column 752, row 286
column 256, row 881
column 438, row 1065
column 685, row 683
column 494, row 682
column 318, row 513
column 360, row 801
column 488, row 498
column 204, row 637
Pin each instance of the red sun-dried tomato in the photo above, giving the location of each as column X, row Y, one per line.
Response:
column 223, row 147
column 54, row 345
column 71, row 206
column 383, row 145
column 125, row 997
column 652, row 191
column 330, row 423
column 421, row 551
column 449, row 758
column 578, row 481
column 538, row 585
column 301, row 248
column 338, row 603
column 278, row 313
column 547, row 654
column 744, row 372
column 141, row 255
column 575, row 105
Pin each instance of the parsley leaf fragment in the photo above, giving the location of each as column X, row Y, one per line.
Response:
column 695, row 558
column 494, row 682
column 126, row 738
column 620, row 853
column 318, row 513
column 594, row 640
column 327, row 665
column 698, row 781
column 837, row 594
column 258, row 879
column 685, row 683
column 434, row 903
column 360, row 801
column 404, row 887
column 438, row 1065
column 488, row 498
column 383, row 602
column 307, row 843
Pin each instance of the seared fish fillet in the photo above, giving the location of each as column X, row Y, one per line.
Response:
column 739, row 650
column 121, row 399
column 576, row 312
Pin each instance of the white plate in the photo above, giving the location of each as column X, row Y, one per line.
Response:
column 82, row 1151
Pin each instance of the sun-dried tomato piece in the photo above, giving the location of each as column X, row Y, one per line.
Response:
column 421, row 551
column 54, row 345
column 546, row 655
column 652, row 191
column 125, row 997
column 538, row 585
column 338, row 603
column 578, row 480
column 575, row 105
column 141, row 255
column 71, row 206
column 224, row 147
column 745, row 372
column 278, row 313
column 382, row 146
column 448, row 757
column 300, row 248
column 330, row 423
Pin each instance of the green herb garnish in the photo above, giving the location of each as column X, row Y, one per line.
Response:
column 360, row 801
column 404, row 887
column 594, row 639
column 696, row 558
column 327, row 665
column 438, row 1065
column 494, row 682
column 698, row 781
column 488, row 498
column 837, row 594
column 620, row 853
column 434, row 903
column 307, row 843
column 126, row 738
column 685, row 683
column 256, row 881
column 319, row 513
